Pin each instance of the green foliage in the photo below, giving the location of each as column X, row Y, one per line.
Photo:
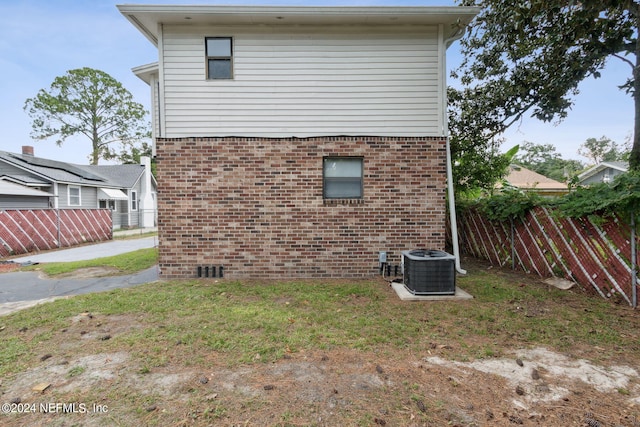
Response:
column 510, row 203
column 477, row 161
column 603, row 150
column 528, row 58
column 91, row 103
column 128, row 263
column 620, row 197
column 131, row 155
column 545, row 160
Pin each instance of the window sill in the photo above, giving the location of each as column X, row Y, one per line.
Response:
column 333, row 202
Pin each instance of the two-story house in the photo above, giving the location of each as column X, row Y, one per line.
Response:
column 297, row 141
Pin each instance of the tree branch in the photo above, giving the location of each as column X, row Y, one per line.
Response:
column 623, row 59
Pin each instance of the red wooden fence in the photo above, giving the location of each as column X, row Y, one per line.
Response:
column 24, row 231
column 595, row 256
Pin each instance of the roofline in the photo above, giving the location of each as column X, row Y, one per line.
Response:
column 19, row 166
column 11, row 178
column 144, row 72
column 146, row 18
column 31, row 191
column 597, row 168
column 65, row 182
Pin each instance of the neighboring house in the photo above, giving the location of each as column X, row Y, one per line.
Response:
column 602, row 172
column 297, row 141
column 528, row 180
column 128, row 190
column 14, row 196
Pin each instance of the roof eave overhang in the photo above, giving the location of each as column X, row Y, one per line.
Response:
column 147, row 18
column 146, row 72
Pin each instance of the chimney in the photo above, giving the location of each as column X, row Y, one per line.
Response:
column 27, row 150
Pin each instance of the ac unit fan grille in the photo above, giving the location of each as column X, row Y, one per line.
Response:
column 431, row 274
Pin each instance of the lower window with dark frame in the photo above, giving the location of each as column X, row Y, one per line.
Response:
column 343, row 177
column 107, row 204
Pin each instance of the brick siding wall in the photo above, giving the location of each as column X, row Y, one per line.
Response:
column 255, row 205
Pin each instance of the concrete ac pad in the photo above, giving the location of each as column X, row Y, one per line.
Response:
column 405, row 295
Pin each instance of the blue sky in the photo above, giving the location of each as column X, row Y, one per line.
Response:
column 42, row 39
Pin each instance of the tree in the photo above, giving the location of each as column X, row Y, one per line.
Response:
column 602, row 150
column 529, row 57
column 545, row 160
column 131, row 155
column 91, row 103
column 477, row 161
column 533, row 155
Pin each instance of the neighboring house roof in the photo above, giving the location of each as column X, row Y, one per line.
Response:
column 47, row 171
column 52, row 170
column 527, row 179
column 619, row 166
column 124, row 176
column 11, row 189
column 28, row 180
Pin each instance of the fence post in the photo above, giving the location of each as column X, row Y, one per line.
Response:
column 513, row 245
column 58, row 226
column 634, row 261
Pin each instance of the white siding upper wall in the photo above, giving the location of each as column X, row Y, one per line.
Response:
column 304, row 81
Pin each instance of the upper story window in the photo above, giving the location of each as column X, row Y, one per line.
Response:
column 219, row 51
column 74, row 196
column 343, row 177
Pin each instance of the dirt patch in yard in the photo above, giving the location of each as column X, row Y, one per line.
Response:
column 8, row 266
column 89, row 272
column 531, row 387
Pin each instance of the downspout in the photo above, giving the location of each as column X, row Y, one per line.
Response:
column 452, row 202
column 452, row 212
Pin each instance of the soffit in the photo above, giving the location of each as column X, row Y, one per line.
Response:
column 148, row 17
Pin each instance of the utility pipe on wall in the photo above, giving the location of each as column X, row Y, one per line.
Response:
column 452, row 202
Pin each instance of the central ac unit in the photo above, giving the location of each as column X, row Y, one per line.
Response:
column 429, row 272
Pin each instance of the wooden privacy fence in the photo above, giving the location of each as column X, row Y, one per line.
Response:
column 595, row 256
column 24, row 231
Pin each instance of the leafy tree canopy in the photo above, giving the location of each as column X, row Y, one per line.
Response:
column 131, row 155
column 477, row 165
column 545, row 160
column 527, row 58
column 88, row 102
column 603, row 150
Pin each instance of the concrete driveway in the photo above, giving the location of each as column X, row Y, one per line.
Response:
column 85, row 252
column 23, row 289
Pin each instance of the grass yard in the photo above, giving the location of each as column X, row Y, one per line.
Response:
column 289, row 353
column 129, row 263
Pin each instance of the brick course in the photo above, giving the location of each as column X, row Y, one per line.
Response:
column 255, row 205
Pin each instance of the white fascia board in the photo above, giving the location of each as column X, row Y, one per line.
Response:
column 148, row 17
column 145, row 72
